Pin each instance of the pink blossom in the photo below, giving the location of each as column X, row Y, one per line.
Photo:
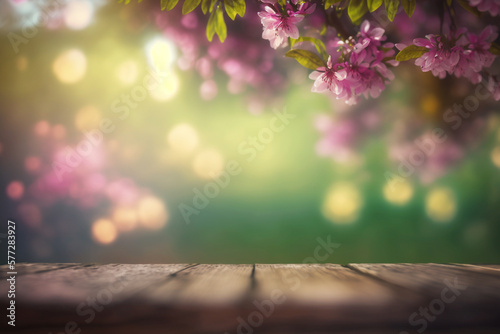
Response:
column 440, row 58
column 360, row 68
column 463, row 55
column 490, row 6
column 279, row 26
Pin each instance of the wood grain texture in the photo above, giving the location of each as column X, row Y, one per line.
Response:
column 260, row 298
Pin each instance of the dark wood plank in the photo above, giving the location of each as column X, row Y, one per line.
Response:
column 469, row 298
column 328, row 298
column 358, row 298
column 32, row 268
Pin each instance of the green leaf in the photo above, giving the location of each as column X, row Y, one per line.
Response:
column 306, row 58
column 320, row 46
column 409, row 6
column 230, row 10
column 391, row 7
column 189, row 6
column 211, row 26
column 373, row 5
column 240, row 7
column 168, row 4
column 220, row 27
column 495, row 49
column 235, row 7
column 466, row 6
column 411, row 52
column 205, row 5
column 356, row 10
column 329, row 3
column 216, row 25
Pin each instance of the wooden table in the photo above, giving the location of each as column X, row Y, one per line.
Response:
column 254, row 298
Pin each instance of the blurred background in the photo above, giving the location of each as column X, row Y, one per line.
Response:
column 114, row 118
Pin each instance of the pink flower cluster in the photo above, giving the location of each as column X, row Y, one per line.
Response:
column 360, row 68
column 490, row 6
column 464, row 55
column 279, row 25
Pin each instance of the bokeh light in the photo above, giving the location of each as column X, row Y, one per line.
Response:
column 127, row 72
column 41, row 128
column 166, row 89
column 87, row 118
column 32, row 164
column 78, row 14
column 152, row 213
column 398, row 191
column 183, row 138
column 440, row 204
column 161, row 54
column 208, row 164
column 342, row 203
column 103, row 231
column 15, row 190
column 70, row 66
column 495, row 156
column 125, row 218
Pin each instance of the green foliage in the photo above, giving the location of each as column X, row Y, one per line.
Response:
column 411, row 52
column 235, row 7
column 373, row 5
column 409, row 6
column 391, row 7
column 306, row 58
column 356, row 10
column 189, row 6
column 216, row 25
column 168, row 4
column 320, row 46
column 329, row 3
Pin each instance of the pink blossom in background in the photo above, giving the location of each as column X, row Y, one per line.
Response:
column 361, row 66
column 490, row 6
column 464, row 55
column 440, row 59
column 279, row 26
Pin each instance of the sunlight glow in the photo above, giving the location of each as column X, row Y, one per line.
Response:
column 183, row 138
column 87, row 118
column 440, row 205
column 127, row 72
column 342, row 203
column 208, row 164
column 78, row 14
column 161, row 54
column 103, row 231
column 398, row 191
column 125, row 218
column 70, row 66
column 152, row 212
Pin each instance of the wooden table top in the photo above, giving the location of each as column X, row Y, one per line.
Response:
column 254, row 298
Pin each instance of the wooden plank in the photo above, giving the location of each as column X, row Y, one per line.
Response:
column 59, row 296
column 207, row 284
column 32, row 268
column 490, row 269
column 231, row 299
column 469, row 298
column 331, row 297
